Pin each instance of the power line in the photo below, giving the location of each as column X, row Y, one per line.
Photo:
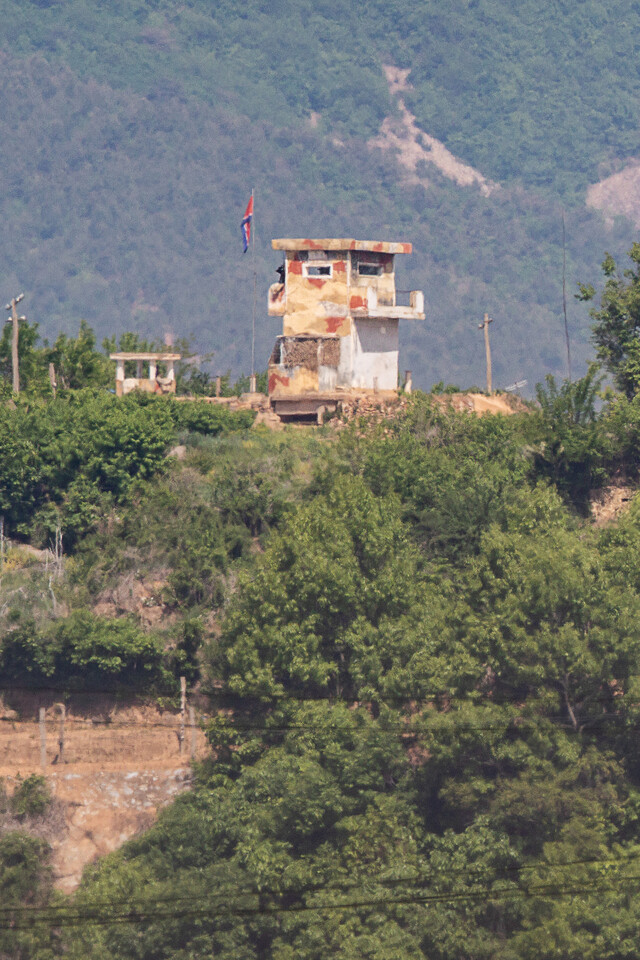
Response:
column 416, row 879
column 487, row 894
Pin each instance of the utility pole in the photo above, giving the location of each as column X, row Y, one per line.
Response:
column 14, row 318
column 485, row 326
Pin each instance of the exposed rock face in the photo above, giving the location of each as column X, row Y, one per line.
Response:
column 104, row 809
column 119, row 767
column 413, row 146
column 619, row 194
column 608, row 504
column 134, row 595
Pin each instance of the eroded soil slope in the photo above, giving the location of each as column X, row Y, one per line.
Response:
column 118, row 766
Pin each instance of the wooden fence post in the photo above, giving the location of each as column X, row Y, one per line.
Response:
column 194, row 738
column 63, row 716
column 183, row 707
column 43, row 740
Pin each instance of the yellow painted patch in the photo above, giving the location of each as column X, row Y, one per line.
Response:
column 295, row 381
column 317, row 307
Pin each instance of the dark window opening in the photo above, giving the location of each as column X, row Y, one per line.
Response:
column 370, row 269
column 319, row 270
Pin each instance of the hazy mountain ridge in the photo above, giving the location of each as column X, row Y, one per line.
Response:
column 132, row 136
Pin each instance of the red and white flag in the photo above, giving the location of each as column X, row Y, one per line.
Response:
column 246, row 225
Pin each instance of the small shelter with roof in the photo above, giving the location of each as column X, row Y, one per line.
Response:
column 154, row 382
column 341, row 312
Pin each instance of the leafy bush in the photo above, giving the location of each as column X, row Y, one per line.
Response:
column 209, row 418
column 572, row 448
column 31, row 797
column 63, row 462
column 453, row 473
column 84, row 651
column 25, row 886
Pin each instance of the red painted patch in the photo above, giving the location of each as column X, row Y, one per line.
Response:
column 339, row 266
column 352, row 245
column 407, row 248
column 378, row 247
column 295, row 266
column 312, row 245
column 275, row 379
column 358, row 303
column 316, row 282
column 333, row 323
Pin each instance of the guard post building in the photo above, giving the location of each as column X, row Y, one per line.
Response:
column 340, row 311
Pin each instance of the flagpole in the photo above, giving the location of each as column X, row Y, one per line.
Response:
column 252, row 385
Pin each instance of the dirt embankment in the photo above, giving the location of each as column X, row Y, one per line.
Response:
column 480, row 403
column 376, row 409
column 608, row 504
column 117, row 767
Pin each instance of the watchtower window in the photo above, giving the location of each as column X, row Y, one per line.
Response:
column 318, row 269
column 370, row 269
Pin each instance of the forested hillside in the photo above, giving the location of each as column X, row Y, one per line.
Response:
column 131, row 134
column 418, row 652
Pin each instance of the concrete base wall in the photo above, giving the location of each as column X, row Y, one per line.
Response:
column 144, row 385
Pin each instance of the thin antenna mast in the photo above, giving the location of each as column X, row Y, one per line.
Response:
column 564, row 297
column 252, row 384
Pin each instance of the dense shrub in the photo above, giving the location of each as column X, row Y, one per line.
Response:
column 84, row 651
column 63, row 462
column 210, row 419
column 31, row 797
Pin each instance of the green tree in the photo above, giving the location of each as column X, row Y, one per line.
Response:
column 25, row 886
column 78, row 363
column 20, row 472
column 32, row 360
column 573, row 446
column 316, row 614
column 541, row 614
column 616, row 328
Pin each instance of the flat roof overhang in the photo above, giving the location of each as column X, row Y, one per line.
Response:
column 127, row 355
column 341, row 243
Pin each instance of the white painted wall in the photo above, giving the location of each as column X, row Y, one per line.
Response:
column 345, row 364
column 375, row 354
column 327, row 378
